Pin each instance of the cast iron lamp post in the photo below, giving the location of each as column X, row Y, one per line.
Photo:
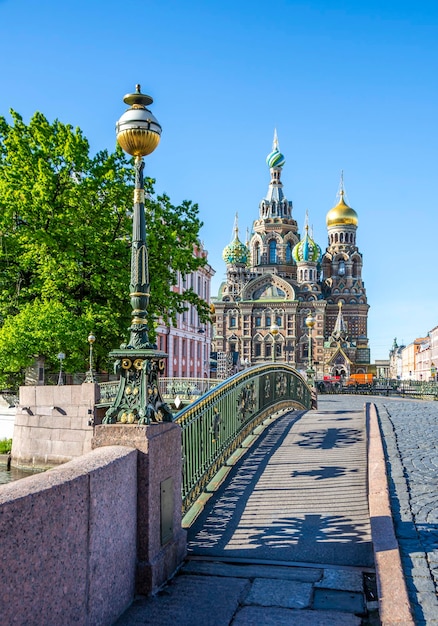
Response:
column 61, row 357
column 310, row 323
column 138, row 363
column 90, row 378
column 274, row 331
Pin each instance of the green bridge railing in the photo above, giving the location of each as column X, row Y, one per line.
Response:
column 215, row 425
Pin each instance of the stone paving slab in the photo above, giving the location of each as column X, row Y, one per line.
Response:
column 303, row 574
column 287, row 594
column 189, row 601
column 333, row 599
column 260, row 616
column 344, row 580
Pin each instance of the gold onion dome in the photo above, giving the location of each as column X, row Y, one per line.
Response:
column 138, row 131
column 341, row 214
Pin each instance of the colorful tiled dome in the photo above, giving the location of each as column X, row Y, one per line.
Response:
column 306, row 250
column 236, row 253
column 275, row 158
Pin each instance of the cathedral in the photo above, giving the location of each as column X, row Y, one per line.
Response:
column 284, row 300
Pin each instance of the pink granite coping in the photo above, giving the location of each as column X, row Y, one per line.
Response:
column 394, row 606
column 68, row 540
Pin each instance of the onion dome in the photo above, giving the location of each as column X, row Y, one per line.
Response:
column 341, row 214
column 236, row 253
column 275, row 159
column 306, row 250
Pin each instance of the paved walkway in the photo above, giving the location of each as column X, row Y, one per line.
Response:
column 410, row 431
column 286, row 539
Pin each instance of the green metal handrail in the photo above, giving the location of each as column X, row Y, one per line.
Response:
column 214, row 426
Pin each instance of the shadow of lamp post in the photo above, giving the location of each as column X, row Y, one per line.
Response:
column 138, row 363
column 310, row 323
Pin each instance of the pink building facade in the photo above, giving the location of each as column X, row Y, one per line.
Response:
column 188, row 344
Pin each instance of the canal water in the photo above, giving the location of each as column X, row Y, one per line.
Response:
column 7, row 476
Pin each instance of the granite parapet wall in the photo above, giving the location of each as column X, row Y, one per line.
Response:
column 68, row 541
column 52, row 424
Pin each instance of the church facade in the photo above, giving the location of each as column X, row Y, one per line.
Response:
column 285, row 300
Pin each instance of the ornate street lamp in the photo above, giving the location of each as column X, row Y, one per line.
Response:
column 60, row 357
column 138, row 363
column 274, row 331
column 310, row 323
column 90, row 378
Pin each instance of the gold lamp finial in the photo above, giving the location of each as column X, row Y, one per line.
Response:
column 138, row 131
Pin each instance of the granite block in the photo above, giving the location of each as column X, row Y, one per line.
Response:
column 75, row 542
column 288, row 594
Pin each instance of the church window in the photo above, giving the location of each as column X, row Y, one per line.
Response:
column 258, row 321
column 268, row 321
column 341, row 268
column 278, row 320
column 341, row 237
column 288, row 252
column 273, row 251
column 268, row 352
column 257, row 349
column 232, row 322
column 336, row 237
column 257, row 254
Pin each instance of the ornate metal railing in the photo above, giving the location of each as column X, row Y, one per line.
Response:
column 415, row 389
column 108, row 392
column 215, row 425
column 186, row 388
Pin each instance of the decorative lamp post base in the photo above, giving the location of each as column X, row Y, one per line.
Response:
column 310, row 372
column 90, row 377
column 138, row 399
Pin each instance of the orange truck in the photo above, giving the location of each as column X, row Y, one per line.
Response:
column 360, row 379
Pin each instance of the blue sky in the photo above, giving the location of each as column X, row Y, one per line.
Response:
column 349, row 86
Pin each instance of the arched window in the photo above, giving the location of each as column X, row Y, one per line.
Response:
column 257, row 254
column 341, row 269
column 288, row 252
column 273, row 251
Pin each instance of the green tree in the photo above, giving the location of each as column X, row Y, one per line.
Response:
column 65, row 230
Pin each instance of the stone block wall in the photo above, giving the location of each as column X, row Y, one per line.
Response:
column 52, row 424
column 68, row 541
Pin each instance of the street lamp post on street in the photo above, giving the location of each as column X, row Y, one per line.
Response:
column 60, row 357
column 310, row 323
column 138, row 363
column 90, row 378
column 274, row 331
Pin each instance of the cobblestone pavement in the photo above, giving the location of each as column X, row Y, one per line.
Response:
column 410, row 433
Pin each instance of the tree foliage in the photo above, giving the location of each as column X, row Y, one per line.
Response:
column 65, row 231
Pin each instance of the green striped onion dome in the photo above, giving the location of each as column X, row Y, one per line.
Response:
column 275, row 159
column 306, row 250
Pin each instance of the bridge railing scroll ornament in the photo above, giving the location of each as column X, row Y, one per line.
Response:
column 138, row 363
column 215, row 425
